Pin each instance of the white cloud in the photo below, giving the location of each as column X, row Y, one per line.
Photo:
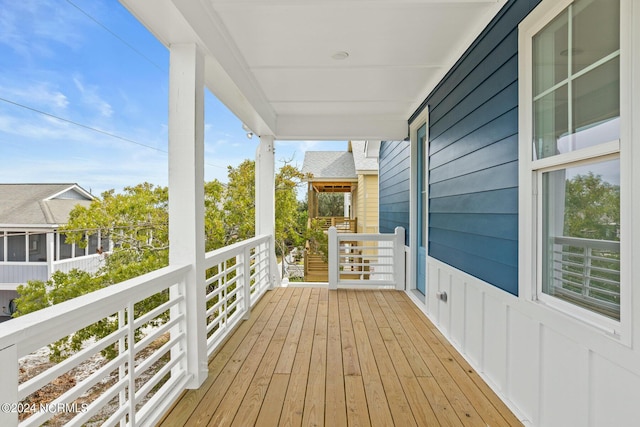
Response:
column 91, row 98
column 48, row 23
column 35, row 94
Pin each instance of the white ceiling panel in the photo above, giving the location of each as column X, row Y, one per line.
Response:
column 349, row 84
column 270, row 61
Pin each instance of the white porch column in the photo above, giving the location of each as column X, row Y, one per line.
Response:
column 265, row 199
column 51, row 254
column 186, row 194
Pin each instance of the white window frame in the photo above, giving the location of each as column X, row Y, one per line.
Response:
column 421, row 120
column 530, row 173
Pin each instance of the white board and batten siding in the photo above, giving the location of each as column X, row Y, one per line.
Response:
column 550, row 375
column 21, row 272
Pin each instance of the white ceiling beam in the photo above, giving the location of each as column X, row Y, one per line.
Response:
column 339, row 128
column 241, row 94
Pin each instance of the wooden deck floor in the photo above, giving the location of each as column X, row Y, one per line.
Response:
column 313, row 357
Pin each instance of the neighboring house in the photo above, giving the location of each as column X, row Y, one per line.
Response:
column 30, row 246
column 355, row 174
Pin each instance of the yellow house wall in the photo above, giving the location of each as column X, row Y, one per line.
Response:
column 366, row 206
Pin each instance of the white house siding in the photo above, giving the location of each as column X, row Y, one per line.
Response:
column 18, row 273
column 551, row 372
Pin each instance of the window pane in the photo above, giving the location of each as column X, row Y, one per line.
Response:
column 104, row 244
column 581, row 236
column 79, row 249
column 65, row 248
column 572, row 109
column 550, row 116
column 16, row 250
column 1, row 246
column 93, row 244
column 596, row 25
column 550, row 59
column 37, row 247
column 596, row 100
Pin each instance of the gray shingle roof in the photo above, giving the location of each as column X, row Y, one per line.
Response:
column 360, row 159
column 329, row 164
column 32, row 204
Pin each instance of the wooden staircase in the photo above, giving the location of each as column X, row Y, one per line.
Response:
column 315, row 268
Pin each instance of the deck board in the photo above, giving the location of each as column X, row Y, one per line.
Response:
column 314, row 357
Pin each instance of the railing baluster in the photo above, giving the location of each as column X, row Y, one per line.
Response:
column 9, row 389
column 131, row 364
column 334, row 258
column 398, row 258
column 122, row 395
column 245, row 258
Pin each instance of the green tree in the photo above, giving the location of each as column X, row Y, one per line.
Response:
column 331, row 204
column 288, row 231
column 214, row 217
column 239, row 205
column 592, row 208
column 136, row 220
column 239, row 202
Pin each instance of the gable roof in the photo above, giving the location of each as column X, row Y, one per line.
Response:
column 323, row 165
column 364, row 163
column 39, row 204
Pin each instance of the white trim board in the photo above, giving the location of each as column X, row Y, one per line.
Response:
column 549, row 369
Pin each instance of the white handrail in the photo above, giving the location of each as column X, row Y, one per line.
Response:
column 239, row 275
column 366, row 260
column 35, row 330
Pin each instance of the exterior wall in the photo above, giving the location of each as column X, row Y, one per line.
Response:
column 71, row 194
column 394, row 186
column 367, row 203
column 551, row 369
column 20, row 272
column 473, row 156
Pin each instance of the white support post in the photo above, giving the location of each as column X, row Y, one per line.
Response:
column 51, row 254
column 398, row 258
column 186, row 196
column 9, row 389
column 265, row 200
column 334, row 258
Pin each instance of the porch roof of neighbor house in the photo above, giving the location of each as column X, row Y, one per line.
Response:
column 329, row 165
column 321, row 69
column 39, row 204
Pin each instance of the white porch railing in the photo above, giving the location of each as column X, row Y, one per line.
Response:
column 89, row 263
column 587, row 271
column 237, row 276
column 366, row 260
column 149, row 368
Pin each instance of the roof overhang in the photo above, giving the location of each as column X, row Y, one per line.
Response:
column 271, row 62
column 333, row 187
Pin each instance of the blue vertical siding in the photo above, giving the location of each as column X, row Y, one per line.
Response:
column 473, row 155
column 393, row 183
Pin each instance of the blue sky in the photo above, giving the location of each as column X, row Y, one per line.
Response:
column 55, row 58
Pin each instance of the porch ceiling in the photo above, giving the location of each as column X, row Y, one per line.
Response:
column 271, row 61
